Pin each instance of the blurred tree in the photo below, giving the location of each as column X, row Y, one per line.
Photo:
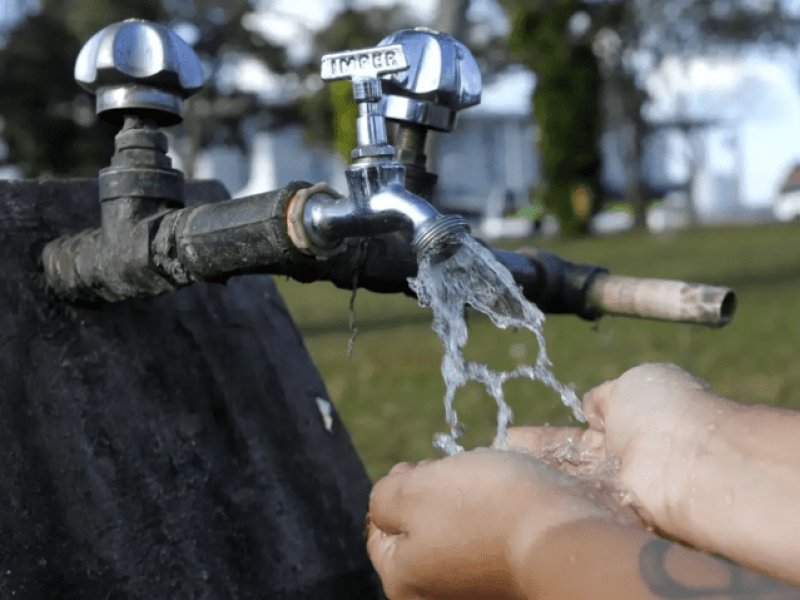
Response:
column 591, row 58
column 48, row 121
column 330, row 113
column 648, row 31
column 223, row 39
column 565, row 104
column 83, row 18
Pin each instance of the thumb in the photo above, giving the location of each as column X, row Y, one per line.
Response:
column 388, row 502
column 595, row 405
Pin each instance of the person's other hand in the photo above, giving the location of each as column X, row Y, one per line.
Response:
column 459, row 527
column 652, row 420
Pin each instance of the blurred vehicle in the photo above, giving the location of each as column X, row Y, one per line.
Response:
column 615, row 219
column 787, row 204
column 670, row 213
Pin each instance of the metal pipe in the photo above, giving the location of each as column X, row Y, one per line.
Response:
column 169, row 250
column 217, row 241
column 330, row 220
column 661, row 299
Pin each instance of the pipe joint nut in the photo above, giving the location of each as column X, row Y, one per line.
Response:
column 295, row 222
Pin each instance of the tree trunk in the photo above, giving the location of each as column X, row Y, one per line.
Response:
column 621, row 116
column 451, row 18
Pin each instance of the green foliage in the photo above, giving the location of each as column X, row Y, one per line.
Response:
column 82, row 18
column 344, row 112
column 330, row 118
column 39, row 101
column 330, row 114
column 48, row 121
column 390, row 393
column 533, row 212
column 565, row 102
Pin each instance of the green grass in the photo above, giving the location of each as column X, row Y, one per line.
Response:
column 389, row 393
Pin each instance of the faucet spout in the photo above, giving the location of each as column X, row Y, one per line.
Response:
column 431, row 232
column 378, row 204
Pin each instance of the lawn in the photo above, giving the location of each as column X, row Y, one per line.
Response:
column 389, row 393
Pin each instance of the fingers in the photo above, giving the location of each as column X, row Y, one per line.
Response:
column 386, row 502
column 595, row 405
column 535, row 439
column 391, row 500
column 383, row 549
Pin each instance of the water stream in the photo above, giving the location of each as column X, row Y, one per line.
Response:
column 473, row 277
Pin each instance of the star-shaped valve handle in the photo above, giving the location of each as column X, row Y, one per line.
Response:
column 139, row 67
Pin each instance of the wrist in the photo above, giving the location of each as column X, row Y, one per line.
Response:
column 700, row 448
column 738, row 494
column 572, row 561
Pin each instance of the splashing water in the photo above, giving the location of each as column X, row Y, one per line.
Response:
column 473, row 276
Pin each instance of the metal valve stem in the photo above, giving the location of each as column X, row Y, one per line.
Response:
column 370, row 125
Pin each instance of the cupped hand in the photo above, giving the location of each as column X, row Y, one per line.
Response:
column 458, row 527
column 651, row 422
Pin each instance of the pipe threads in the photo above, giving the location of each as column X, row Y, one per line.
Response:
column 446, row 232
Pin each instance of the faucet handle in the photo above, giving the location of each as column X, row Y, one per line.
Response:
column 443, row 78
column 367, row 63
column 136, row 66
column 364, row 67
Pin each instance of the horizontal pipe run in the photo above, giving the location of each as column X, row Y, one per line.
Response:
column 662, row 299
column 214, row 242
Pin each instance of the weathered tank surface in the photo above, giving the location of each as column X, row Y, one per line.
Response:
column 170, row 447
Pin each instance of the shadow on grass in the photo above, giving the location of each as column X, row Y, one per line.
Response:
column 364, row 325
column 789, row 274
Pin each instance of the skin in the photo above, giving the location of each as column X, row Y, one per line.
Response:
column 509, row 525
column 428, row 535
column 717, row 475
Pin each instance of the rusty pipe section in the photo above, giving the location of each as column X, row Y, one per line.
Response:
column 173, row 248
column 257, row 234
column 661, row 299
column 263, row 234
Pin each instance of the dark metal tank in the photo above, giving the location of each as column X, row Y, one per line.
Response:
column 164, row 448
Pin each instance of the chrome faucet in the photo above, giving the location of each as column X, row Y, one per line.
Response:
column 443, row 78
column 378, row 201
column 140, row 73
column 148, row 243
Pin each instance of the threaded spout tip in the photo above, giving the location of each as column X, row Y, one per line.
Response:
column 441, row 237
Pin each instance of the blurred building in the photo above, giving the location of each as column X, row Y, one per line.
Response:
column 486, row 166
column 736, row 121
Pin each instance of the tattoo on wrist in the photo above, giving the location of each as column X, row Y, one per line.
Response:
column 743, row 584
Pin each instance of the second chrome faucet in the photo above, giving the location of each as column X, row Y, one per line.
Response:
column 379, row 202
